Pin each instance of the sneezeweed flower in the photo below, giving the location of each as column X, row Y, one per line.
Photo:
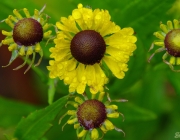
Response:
column 26, row 34
column 169, row 41
column 92, row 115
column 87, row 43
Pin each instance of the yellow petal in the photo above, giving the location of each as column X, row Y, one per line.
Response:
column 26, row 12
column 71, row 112
column 90, row 74
column 113, row 107
column 46, row 26
column 113, row 115
column 113, row 66
column 79, row 100
column 13, row 18
column 169, row 24
column 101, row 96
column 73, row 85
column 117, row 54
column 172, row 60
column 71, row 64
column 102, row 127
column 81, row 87
column 176, row 24
column 77, row 125
column 80, row 6
column 164, row 28
column 7, row 41
column 12, row 47
column 22, row 51
column 47, row 34
column 68, row 24
column 94, row 134
column 37, row 47
column 108, row 124
column 82, row 133
column 7, row 33
column 17, row 14
column 60, row 54
column 159, row 43
column 128, row 31
column 76, row 14
column 36, row 14
column 100, row 75
column 159, row 35
column 9, row 22
column 29, row 51
column 69, row 76
column 81, row 72
column 72, row 121
column 178, row 61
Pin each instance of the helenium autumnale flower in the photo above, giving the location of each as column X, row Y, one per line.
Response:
column 26, row 34
column 88, row 42
column 168, row 41
column 91, row 116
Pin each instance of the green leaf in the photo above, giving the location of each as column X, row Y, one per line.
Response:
column 11, row 112
column 173, row 78
column 37, row 123
column 134, row 113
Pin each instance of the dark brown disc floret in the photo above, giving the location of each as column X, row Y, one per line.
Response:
column 91, row 114
column 88, row 47
column 172, row 42
column 27, row 32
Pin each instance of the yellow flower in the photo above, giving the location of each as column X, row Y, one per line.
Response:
column 26, row 34
column 92, row 115
column 169, row 41
column 88, row 42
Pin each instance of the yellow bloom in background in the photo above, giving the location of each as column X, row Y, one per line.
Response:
column 92, row 116
column 169, row 41
column 87, row 43
column 26, row 34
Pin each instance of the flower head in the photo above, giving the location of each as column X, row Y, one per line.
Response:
column 26, row 34
column 87, row 43
column 169, row 41
column 92, row 116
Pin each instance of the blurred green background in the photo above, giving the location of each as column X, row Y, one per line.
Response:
column 152, row 89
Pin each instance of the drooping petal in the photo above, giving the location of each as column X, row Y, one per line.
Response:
column 113, row 65
column 119, row 43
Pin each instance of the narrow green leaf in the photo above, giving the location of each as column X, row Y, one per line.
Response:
column 37, row 123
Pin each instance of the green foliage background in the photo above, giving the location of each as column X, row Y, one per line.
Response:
column 152, row 89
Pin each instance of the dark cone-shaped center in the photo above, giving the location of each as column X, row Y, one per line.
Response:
column 88, row 47
column 27, row 32
column 172, row 42
column 91, row 114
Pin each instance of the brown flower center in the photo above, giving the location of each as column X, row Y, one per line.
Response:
column 27, row 32
column 172, row 42
column 91, row 114
column 88, row 47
